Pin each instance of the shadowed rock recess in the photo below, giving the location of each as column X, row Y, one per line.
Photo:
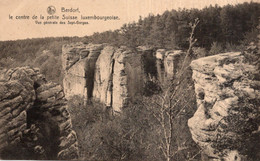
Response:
column 34, row 121
column 226, row 123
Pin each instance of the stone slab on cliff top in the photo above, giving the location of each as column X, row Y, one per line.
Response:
column 32, row 110
column 227, row 119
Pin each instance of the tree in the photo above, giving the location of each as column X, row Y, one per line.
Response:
column 167, row 106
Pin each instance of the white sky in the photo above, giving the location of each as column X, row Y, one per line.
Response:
column 127, row 10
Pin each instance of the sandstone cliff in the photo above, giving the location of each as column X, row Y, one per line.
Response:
column 79, row 64
column 226, row 123
column 114, row 76
column 110, row 75
column 118, row 77
column 34, row 123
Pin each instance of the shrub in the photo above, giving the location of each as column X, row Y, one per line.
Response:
column 216, row 48
column 232, row 47
column 199, row 52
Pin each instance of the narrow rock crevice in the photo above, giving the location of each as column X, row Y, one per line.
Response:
column 110, row 84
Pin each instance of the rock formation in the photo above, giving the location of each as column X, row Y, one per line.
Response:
column 103, row 82
column 79, row 64
column 114, row 76
column 108, row 74
column 118, row 77
column 160, row 53
column 226, row 123
column 167, row 63
column 35, row 123
column 172, row 62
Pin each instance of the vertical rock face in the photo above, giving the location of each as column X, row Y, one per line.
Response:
column 108, row 74
column 226, row 123
column 160, row 53
column 34, row 117
column 127, row 78
column 114, row 76
column 103, row 82
column 79, row 64
column 172, row 62
column 167, row 63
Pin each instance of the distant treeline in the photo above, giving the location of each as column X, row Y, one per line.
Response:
column 22, row 49
column 225, row 25
column 43, row 53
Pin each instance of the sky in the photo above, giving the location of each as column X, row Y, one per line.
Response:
column 127, row 11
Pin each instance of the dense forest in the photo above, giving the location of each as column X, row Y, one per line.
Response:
column 220, row 29
column 228, row 26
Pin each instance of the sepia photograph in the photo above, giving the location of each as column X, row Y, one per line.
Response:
column 130, row 80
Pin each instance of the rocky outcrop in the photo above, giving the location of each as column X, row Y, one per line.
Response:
column 118, row 77
column 226, row 123
column 128, row 78
column 110, row 75
column 114, row 76
column 35, row 123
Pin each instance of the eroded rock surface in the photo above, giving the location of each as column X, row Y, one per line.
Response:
column 160, row 55
column 35, row 123
column 226, row 123
column 103, row 82
column 115, row 75
column 110, row 75
column 128, row 78
column 79, row 62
